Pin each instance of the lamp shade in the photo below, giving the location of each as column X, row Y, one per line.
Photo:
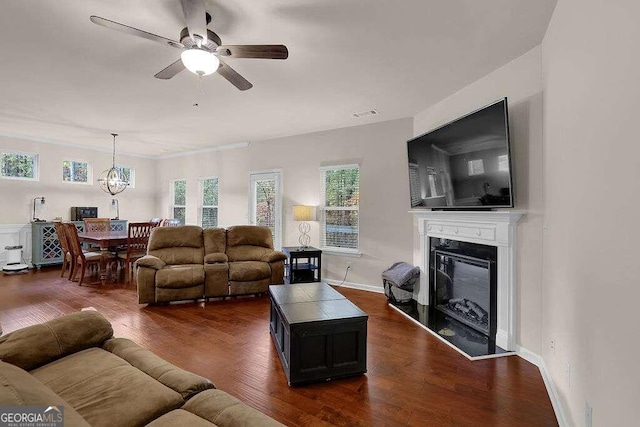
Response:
column 199, row 61
column 304, row 213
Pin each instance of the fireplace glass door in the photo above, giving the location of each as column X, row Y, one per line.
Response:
column 463, row 289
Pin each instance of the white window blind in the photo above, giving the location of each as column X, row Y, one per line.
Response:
column 178, row 207
column 208, row 202
column 339, row 224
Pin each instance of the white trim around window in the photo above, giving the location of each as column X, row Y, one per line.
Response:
column 201, row 201
column 89, row 180
column 338, row 241
column 35, row 162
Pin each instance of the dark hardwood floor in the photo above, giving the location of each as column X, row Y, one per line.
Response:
column 412, row 379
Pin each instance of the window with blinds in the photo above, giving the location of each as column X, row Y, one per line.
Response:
column 178, row 207
column 339, row 222
column 73, row 171
column 414, row 185
column 208, row 209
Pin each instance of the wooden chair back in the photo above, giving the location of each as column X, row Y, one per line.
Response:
column 97, row 225
column 138, row 236
column 156, row 221
column 170, row 222
column 62, row 238
column 73, row 240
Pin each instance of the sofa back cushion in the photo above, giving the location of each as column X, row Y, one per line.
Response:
column 215, row 240
column 19, row 388
column 177, row 245
column 37, row 345
column 248, row 242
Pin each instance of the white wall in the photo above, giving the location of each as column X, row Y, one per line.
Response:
column 16, row 196
column 521, row 82
column 380, row 149
column 592, row 174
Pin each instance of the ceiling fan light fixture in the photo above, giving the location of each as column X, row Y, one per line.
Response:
column 200, row 61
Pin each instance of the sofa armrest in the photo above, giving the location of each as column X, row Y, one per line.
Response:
column 183, row 382
column 151, row 262
column 214, row 258
column 273, row 256
column 224, row 410
column 38, row 345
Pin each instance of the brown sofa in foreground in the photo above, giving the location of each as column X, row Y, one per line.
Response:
column 74, row 361
column 191, row 263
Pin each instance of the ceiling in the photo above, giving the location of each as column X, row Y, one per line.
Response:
column 67, row 80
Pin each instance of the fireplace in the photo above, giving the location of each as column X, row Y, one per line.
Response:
column 472, row 246
column 463, row 283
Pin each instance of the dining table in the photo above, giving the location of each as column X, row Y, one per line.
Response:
column 107, row 242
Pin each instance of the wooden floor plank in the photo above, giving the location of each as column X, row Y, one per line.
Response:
column 412, row 379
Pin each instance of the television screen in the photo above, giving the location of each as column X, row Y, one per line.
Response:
column 464, row 164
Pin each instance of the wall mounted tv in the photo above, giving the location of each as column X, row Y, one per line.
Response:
column 465, row 164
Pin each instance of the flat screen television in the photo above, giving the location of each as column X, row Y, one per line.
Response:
column 464, row 164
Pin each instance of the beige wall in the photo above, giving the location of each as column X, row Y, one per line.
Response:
column 16, row 196
column 380, row 149
column 521, row 82
column 592, row 175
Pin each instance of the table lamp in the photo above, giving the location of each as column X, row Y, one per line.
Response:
column 40, row 203
column 304, row 213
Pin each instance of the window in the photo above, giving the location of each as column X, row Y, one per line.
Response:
column 18, row 165
column 208, row 210
column 414, row 185
column 503, row 163
column 340, row 194
column 73, row 171
column 179, row 200
column 129, row 174
column 476, row 167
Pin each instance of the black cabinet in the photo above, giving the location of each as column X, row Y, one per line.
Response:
column 303, row 265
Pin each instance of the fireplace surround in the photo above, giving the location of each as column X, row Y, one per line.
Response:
column 490, row 228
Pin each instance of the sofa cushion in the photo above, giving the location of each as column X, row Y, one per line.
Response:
column 180, row 417
column 106, row 390
column 215, row 240
column 177, row 245
column 251, row 235
column 184, row 382
column 224, row 410
column 180, row 276
column 36, row 345
column 246, row 271
column 247, row 253
column 19, row 388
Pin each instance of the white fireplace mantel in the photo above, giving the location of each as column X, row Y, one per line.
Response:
column 492, row 228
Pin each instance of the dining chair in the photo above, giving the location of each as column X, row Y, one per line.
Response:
column 68, row 259
column 170, row 222
column 83, row 258
column 137, row 240
column 156, row 221
column 97, row 225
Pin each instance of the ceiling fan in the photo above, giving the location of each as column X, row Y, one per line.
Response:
column 202, row 49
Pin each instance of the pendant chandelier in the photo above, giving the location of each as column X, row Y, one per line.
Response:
column 112, row 180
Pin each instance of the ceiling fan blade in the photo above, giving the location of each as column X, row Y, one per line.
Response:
column 196, row 18
column 262, row 51
column 233, row 77
column 135, row 32
column 171, row 70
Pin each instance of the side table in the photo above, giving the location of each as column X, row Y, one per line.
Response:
column 303, row 265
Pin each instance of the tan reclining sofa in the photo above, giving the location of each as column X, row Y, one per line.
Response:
column 191, row 263
column 74, row 361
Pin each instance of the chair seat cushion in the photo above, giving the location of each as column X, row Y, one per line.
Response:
column 247, row 271
column 99, row 384
column 180, row 276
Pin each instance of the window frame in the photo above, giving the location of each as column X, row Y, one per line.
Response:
column 323, row 211
column 132, row 174
column 201, row 204
column 36, row 165
column 89, row 180
column 172, row 195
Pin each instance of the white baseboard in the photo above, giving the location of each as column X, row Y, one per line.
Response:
column 534, row 358
column 370, row 288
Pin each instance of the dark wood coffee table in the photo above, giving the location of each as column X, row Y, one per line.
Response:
column 319, row 334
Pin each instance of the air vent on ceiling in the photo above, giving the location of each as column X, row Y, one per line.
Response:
column 365, row 113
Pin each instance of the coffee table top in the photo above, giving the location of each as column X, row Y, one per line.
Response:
column 310, row 302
